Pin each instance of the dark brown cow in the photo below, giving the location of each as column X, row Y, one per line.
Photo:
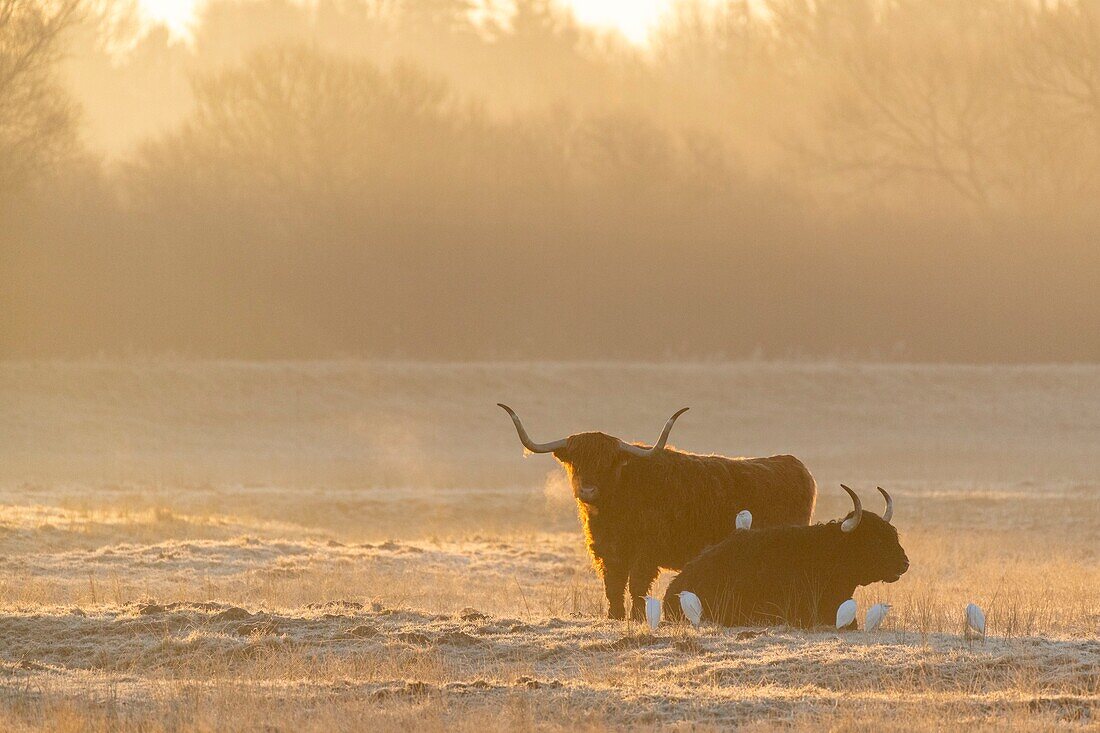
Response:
column 792, row 575
column 649, row 508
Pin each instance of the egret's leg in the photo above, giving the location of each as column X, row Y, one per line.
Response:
column 614, row 585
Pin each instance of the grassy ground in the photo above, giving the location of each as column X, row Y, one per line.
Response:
column 349, row 546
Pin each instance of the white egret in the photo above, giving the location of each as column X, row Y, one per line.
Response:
column 875, row 615
column 744, row 519
column 692, row 606
column 652, row 612
column 975, row 621
column 846, row 613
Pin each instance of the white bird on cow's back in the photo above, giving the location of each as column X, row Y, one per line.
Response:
column 744, row 519
column 692, row 606
column 875, row 615
column 846, row 613
column 652, row 612
column 975, row 621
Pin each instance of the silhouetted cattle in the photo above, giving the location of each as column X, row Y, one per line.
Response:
column 793, row 575
column 649, row 508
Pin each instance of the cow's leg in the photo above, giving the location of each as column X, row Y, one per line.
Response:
column 642, row 575
column 614, row 585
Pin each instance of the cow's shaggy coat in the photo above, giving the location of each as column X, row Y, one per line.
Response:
column 644, row 513
column 789, row 575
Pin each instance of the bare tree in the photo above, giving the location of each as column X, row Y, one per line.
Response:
column 36, row 116
column 1060, row 72
column 914, row 89
column 1063, row 59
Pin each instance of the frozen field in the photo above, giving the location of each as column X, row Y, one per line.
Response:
column 351, row 546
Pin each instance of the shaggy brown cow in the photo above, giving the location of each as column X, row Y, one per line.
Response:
column 649, row 508
column 793, row 575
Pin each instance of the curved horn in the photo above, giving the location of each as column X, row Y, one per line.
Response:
column 526, row 439
column 852, row 522
column 888, row 515
column 660, row 444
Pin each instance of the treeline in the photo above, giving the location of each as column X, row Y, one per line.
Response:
column 895, row 178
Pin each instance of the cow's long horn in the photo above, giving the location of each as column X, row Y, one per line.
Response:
column 660, row 444
column 852, row 522
column 889, row 514
column 526, row 439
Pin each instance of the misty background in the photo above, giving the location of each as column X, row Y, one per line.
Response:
column 450, row 179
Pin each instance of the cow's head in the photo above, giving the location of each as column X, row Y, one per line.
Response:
column 872, row 545
column 594, row 461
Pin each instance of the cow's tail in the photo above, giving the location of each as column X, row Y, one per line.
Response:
column 811, row 505
column 672, row 610
column 807, row 498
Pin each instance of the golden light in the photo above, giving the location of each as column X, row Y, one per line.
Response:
column 633, row 18
column 176, row 15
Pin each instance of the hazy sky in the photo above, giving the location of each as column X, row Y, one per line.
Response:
column 633, row 18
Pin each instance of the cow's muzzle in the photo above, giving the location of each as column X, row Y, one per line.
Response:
column 588, row 494
column 901, row 571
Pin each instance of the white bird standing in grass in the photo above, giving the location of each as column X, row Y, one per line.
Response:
column 652, row 612
column 875, row 615
column 744, row 519
column 975, row 621
column 846, row 613
column 692, row 606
